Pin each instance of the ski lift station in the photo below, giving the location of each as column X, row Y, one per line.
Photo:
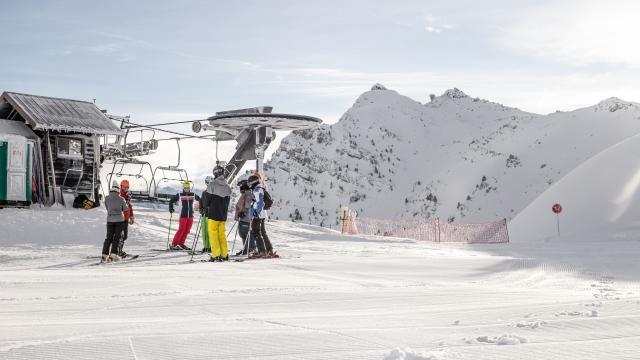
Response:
column 53, row 150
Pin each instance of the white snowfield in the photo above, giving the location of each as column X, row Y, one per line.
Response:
column 600, row 195
column 328, row 297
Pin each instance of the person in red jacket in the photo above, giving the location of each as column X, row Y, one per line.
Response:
column 186, row 198
column 128, row 216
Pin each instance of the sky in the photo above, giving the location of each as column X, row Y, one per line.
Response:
column 160, row 61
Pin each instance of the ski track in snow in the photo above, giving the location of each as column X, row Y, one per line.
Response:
column 328, row 297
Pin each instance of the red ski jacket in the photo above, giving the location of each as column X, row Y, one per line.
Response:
column 127, row 198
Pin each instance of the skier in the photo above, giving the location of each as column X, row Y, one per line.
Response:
column 206, row 245
column 116, row 206
column 128, row 216
column 257, row 216
column 217, row 201
column 242, row 217
column 186, row 198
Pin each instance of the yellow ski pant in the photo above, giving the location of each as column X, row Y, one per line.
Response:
column 217, row 238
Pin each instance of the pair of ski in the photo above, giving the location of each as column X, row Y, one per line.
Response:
column 231, row 259
column 124, row 259
column 241, row 258
column 274, row 256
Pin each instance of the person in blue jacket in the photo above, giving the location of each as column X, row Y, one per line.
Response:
column 257, row 215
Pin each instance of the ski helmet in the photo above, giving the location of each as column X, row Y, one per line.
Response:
column 218, row 171
column 253, row 180
column 243, row 185
column 124, row 183
column 186, row 185
column 115, row 186
column 208, row 179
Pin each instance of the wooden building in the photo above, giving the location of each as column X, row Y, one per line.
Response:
column 63, row 161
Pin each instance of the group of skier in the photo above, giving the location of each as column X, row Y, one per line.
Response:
column 213, row 205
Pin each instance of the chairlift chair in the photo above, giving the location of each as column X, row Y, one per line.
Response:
column 179, row 175
column 140, row 195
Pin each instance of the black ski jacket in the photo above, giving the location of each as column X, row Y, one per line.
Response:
column 186, row 199
column 215, row 207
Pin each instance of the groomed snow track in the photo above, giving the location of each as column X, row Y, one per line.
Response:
column 329, row 297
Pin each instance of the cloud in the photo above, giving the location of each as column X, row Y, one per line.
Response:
column 105, row 48
column 136, row 43
column 126, row 58
column 580, row 33
column 541, row 91
column 436, row 25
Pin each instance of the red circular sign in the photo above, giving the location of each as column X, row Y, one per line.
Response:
column 557, row 208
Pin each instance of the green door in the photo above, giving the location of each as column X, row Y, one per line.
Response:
column 4, row 146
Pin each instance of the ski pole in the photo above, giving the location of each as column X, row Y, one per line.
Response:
column 196, row 236
column 169, row 234
column 233, row 248
column 246, row 241
column 232, row 226
column 195, row 239
column 249, row 235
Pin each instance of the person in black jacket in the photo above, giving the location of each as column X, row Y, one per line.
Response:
column 216, row 201
column 186, row 197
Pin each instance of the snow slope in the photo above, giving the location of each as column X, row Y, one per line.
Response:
column 328, row 297
column 457, row 157
column 598, row 196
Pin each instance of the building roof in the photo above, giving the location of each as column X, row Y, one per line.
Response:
column 19, row 128
column 65, row 115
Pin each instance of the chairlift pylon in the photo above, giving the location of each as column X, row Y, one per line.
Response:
column 254, row 130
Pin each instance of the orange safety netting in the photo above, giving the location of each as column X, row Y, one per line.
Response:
column 436, row 231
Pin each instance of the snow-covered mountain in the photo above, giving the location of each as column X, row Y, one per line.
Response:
column 456, row 157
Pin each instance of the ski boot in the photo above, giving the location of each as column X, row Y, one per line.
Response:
column 105, row 259
column 224, row 258
column 272, row 254
column 215, row 259
column 114, row 257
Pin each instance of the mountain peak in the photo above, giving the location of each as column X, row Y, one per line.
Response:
column 455, row 93
column 613, row 104
column 378, row 86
